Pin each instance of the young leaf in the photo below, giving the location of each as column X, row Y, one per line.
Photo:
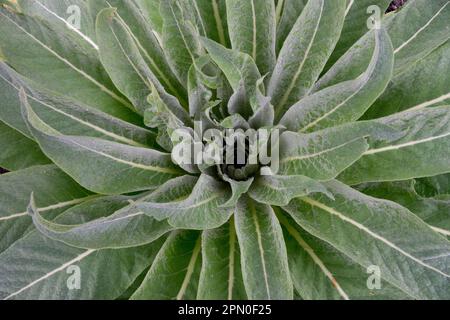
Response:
column 238, row 67
column 264, row 262
column 253, row 30
column 305, row 52
column 409, row 254
column 201, row 210
column 280, row 190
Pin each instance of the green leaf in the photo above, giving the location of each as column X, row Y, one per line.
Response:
column 252, row 28
column 61, row 16
column 18, row 151
column 212, row 19
column 118, row 219
column 180, row 37
column 62, row 66
column 238, row 189
column 320, row 272
column 434, row 186
column 372, row 232
column 280, row 190
column 321, row 155
column 150, row 11
column 421, row 150
column 123, row 61
column 288, row 12
column 355, row 25
column 411, row 90
column 104, row 274
column 221, row 275
column 427, row 29
column 140, row 43
column 264, row 262
column 305, row 52
column 347, row 101
column 101, row 164
column 434, row 212
column 174, row 273
column 417, row 30
column 54, row 192
column 238, row 67
column 201, row 210
column 68, row 116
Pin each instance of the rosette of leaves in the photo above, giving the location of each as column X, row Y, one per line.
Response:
column 95, row 208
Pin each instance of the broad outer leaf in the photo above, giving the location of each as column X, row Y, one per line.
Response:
column 418, row 29
column 62, row 67
column 379, row 233
column 280, row 190
column 18, row 151
column 305, row 52
column 264, row 262
column 221, row 275
column 422, row 149
column 320, row 272
column 54, row 192
column 433, row 186
column 101, row 164
column 112, row 230
column 62, row 16
column 412, row 90
column 427, row 28
column 355, row 25
column 66, row 115
column 321, row 155
column 347, row 101
column 252, row 28
column 435, row 212
column 201, row 210
column 104, row 274
column 174, row 273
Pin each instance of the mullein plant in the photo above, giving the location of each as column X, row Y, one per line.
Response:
column 354, row 202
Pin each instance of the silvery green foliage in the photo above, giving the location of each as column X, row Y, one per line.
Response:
column 89, row 107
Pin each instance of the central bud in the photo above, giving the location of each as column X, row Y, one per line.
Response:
column 237, row 154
